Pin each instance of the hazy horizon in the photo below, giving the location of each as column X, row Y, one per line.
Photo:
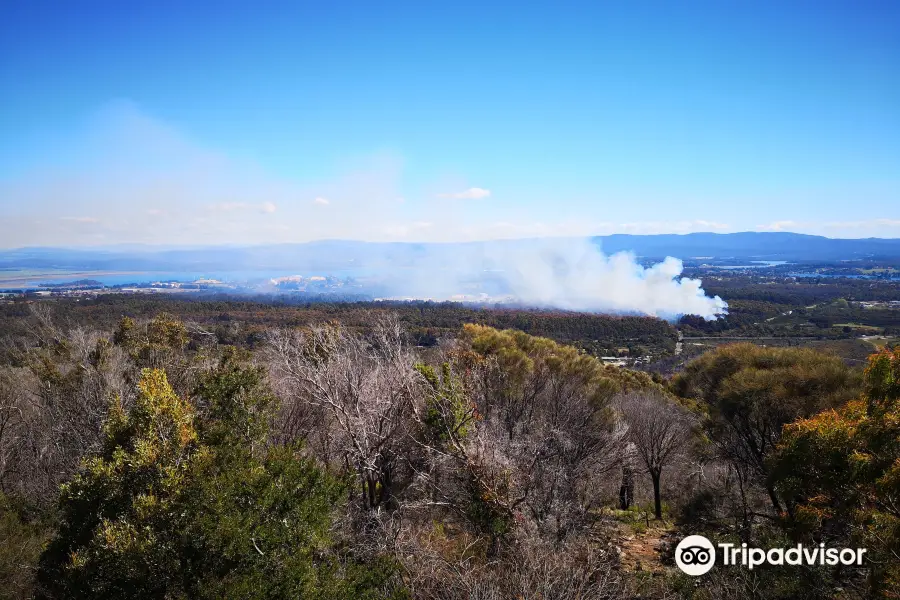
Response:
column 250, row 245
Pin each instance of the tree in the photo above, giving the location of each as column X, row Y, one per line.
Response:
column 626, row 488
column 548, row 421
column 659, row 430
column 182, row 503
column 841, row 472
column 52, row 409
column 351, row 398
column 749, row 393
column 161, row 343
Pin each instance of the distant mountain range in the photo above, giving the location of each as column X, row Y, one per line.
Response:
column 337, row 254
column 752, row 245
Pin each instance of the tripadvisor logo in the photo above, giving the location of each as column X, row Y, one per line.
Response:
column 696, row 555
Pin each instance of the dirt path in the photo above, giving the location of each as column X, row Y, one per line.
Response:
column 641, row 551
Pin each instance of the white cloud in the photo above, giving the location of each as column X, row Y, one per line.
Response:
column 268, row 207
column 469, row 194
column 322, row 201
column 780, row 226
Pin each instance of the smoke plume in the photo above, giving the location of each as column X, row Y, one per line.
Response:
column 570, row 274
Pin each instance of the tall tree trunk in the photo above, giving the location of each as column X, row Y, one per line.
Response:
column 626, row 490
column 657, row 500
column 746, row 524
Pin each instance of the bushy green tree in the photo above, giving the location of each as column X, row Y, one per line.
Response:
column 449, row 412
column 749, row 393
column 842, row 470
column 192, row 503
column 552, row 432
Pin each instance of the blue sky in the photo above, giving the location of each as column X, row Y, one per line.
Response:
column 242, row 122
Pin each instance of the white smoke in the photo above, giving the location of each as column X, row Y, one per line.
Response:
column 570, row 274
column 576, row 275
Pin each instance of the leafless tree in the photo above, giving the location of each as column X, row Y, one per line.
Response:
column 13, row 429
column 53, row 407
column 660, row 430
column 352, row 398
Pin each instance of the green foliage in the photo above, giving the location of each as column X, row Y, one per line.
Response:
column 164, row 342
column 749, row 393
column 126, row 334
column 238, row 402
column 449, row 413
column 486, row 509
column 841, row 469
column 112, row 513
column 727, row 376
column 552, row 404
column 166, row 330
column 189, row 498
column 22, row 536
column 163, row 332
column 522, row 357
column 178, row 505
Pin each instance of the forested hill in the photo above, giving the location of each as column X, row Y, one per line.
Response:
column 765, row 245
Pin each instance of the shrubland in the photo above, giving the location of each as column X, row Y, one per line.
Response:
column 154, row 459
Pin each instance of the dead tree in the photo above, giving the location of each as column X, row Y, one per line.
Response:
column 352, row 398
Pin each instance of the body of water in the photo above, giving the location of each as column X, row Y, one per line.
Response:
column 755, row 264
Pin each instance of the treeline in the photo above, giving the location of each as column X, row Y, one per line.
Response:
column 333, row 460
column 799, row 292
column 832, row 320
column 244, row 323
column 755, row 301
